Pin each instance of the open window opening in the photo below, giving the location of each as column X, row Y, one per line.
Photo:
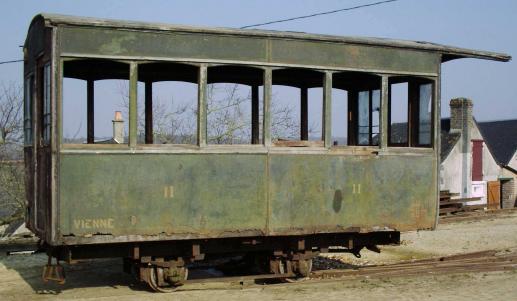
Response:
column 410, row 110
column 234, row 105
column 95, row 102
column 297, row 107
column 167, row 103
column 363, row 91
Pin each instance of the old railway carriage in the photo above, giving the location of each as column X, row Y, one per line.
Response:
column 164, row 205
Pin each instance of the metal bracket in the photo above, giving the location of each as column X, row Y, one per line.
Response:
column 53, row 272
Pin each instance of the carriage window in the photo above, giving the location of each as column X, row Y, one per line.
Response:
column 27, row 120
column 410, row 112
column 167, row 103
column 368, row 117
column 297, row 108
column 398, row 114
column 339, row 117
column 234, row 105
column 363, row 109
column 424, row 114
column 46, row 103
column 74, row 111
column 95, row 102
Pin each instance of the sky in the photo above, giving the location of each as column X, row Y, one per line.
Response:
column 476, row 24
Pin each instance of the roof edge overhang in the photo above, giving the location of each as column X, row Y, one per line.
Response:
column 447, row 52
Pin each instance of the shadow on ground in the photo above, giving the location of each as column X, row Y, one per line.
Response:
column 91, row 273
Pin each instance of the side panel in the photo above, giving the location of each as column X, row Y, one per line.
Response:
column 312, row 193
column 93, row 42
column 183, row 195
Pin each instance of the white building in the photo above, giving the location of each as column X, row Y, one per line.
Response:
column 468, row 164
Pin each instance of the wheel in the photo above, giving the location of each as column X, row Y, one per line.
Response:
column 302, row 268
column 158, row 281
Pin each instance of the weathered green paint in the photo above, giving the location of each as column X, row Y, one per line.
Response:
column 202, row 105
column 203, row 46
column 133, row 110
column 211, row 194
column 317, row 193
column 352, row 56
column 266, row 129
column 216, row 195
column 327, row 109
column 171, row 192
column 383, row 141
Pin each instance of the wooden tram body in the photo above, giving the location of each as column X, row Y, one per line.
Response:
column 180, row 203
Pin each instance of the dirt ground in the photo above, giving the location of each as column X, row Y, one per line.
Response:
column 20, row 275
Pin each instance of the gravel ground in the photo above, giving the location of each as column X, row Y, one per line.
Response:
column 20, row 276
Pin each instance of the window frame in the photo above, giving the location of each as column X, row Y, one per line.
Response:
column 414, row 84
column 28, row 104
column 46, row 121
column 304, row 112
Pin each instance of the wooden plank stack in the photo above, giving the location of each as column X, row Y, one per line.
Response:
column 450, row 205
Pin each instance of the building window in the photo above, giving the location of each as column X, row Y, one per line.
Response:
column 477, row 160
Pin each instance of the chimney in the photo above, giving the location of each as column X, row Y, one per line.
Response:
column 461, row 122
column 461, row 114
column 118, row 128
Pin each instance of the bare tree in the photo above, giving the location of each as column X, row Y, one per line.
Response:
column 12, row 184
column 228, row 117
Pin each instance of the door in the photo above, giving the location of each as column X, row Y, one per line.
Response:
column 494, row 195
column 43, row 153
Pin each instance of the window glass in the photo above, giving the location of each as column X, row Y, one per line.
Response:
column 27, row 120
column 410, row 112
column 424, row 114
column 398, row 114
column 376, row 111
column 46, row 104
column 368, row 109
column 339, row 117
column 363, row 128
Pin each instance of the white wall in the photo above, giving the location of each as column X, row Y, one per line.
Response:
column 513, row 161
column 452, row 167
column 450, row 171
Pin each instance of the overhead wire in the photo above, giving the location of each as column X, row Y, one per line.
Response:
column 320, row 13
column 285, row 20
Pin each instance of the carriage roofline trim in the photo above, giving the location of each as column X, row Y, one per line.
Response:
column 448, row 52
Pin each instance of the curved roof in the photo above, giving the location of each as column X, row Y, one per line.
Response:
column 448, row 52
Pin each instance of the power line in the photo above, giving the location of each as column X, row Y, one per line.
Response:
column 319, row 14
column 285, row 20
column 8, row 62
